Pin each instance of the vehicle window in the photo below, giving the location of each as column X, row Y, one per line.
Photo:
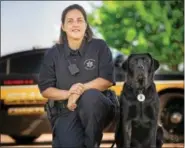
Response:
column 26, row 64
column 3, row 66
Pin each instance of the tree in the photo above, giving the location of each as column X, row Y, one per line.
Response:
column 156, row 27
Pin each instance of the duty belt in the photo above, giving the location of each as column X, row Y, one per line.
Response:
column 60, row 104
column 54, row 108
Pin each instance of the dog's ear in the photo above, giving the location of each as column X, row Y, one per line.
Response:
column 155, row 64
column 125, row 65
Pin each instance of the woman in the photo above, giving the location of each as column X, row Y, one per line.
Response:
column 74, row 75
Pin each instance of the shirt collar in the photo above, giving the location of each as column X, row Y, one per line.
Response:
column 81, row 50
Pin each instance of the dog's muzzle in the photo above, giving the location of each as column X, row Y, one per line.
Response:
column 141, row 76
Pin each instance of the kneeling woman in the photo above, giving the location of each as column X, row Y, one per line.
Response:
column 74, row 75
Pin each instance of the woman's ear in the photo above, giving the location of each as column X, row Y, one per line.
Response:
column 86, row 26
column 62, row 27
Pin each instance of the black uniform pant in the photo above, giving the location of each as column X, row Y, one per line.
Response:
column 83, row 127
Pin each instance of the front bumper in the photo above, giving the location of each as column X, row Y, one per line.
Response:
column 15, row 123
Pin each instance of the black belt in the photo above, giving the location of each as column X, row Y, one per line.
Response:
column 60, row 104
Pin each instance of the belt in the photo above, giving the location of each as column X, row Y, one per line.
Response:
column 61, row 104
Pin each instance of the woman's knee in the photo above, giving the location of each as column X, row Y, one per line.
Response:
column 93, row 107
column 91, row 92
column 90, row 97
column 93, row 102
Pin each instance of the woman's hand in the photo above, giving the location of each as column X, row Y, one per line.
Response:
column 71, row 105
column 75, row 92
column 77, row 88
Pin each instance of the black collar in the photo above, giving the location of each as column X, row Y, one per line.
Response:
column 68, row 51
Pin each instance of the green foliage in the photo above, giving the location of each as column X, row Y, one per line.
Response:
column 156, row 27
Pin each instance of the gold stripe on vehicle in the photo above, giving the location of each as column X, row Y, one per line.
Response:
column 21, row 94
column 160, row 85
column 30, row 94
column 26, row 111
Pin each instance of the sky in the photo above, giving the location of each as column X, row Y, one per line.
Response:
column 28, row 24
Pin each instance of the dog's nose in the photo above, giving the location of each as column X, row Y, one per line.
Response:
column 140, row 66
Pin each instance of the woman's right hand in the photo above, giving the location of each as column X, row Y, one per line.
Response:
column 77, row 88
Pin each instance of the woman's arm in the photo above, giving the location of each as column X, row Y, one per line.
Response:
column 47, row 78
column 98, row 83
column 56, row 94
column 106, row 77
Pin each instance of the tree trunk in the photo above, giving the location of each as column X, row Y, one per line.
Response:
column 174, row 67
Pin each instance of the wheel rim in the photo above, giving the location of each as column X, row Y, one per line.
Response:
column 172, row 117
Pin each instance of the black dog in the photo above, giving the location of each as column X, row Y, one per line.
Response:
column 139, row 105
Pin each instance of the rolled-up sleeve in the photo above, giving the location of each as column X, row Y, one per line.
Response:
column 47, row 76
column 106, row 65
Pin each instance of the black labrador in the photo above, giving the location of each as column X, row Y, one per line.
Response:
column 139, row 105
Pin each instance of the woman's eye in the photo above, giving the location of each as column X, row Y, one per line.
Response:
column 70, row 21
column 80, row 21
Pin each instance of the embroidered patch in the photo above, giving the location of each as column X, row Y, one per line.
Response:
column 89, row 64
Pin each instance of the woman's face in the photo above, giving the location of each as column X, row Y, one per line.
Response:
column 74, row 25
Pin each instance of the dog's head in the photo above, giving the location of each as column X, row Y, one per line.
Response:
column 140, row 69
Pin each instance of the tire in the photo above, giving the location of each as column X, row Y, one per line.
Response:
column 24, row 139
column 170, row 104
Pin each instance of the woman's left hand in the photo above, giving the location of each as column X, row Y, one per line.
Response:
column 71, row 105
column 77, row 88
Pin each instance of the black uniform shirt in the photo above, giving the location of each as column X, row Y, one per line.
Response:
column 94, row 59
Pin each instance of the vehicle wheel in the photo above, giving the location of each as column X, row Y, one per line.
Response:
column 24, row 139
column 171, row 116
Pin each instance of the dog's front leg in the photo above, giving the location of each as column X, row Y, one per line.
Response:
column 153, row 131
column 153, row 134
column 127, row 134
column 126, row 125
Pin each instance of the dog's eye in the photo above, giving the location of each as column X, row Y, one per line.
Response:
column 146, row 60
column 132, row 62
